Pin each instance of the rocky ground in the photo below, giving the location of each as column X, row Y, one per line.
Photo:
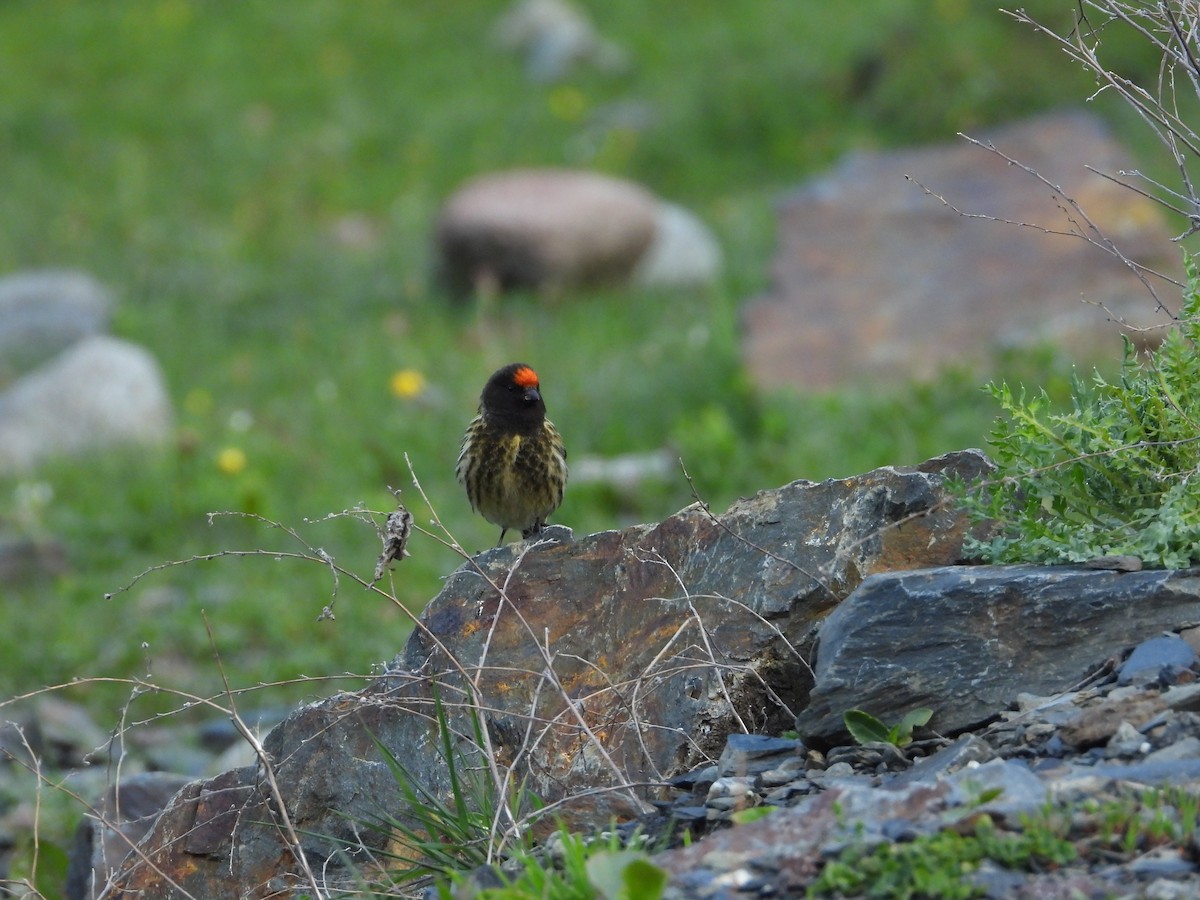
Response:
column 1080, row 764
column 1046, row 793
column 1075, row 769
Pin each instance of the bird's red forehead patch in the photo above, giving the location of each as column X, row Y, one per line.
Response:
column 525, row 377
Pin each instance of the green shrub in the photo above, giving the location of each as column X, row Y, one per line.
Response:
column 1112, row 475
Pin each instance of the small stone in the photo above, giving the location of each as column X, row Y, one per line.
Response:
column 1166, row 889
column 1096, row 724
column 1021, row 791
column 1183, row 698
column 747, row 755
column 786, row 795
column 69, row 735
column 836, row 770
column 1124, row 692
column 1037, row 731
column 782, row 774
column 872, row 756
column 1192, row 636
column 544, row 229
column 1187, row 748
column 741, row 880
column 697, row 779
column 967, row 749
column 730, row 794
column 1162, row 862
column 1127, row 742
column 1115, row 563
column 1150, row 657
column 689, row 815
column 1055, row 709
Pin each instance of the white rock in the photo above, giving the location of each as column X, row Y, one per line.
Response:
column 101, row 392
column 44, row 312
column 684, row 251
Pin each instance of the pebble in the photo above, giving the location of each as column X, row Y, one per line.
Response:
column 1150, row 658
column 747, row 755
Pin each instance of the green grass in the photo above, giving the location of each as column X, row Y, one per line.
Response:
column 198, row 158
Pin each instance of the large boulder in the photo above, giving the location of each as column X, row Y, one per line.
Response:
column 874, row 279
column 622, row 658
column 553, row 230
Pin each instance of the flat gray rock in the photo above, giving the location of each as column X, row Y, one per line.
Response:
column 966, row 640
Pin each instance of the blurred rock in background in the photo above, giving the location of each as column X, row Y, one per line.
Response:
column 66, row 387
column 44, row 312
column 555, row 37
column 553, row 230
column 875, row 279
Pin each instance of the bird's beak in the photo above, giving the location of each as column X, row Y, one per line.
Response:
column 532, row 396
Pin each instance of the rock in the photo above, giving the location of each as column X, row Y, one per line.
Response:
column 966, row 750
column 627, row 616
column 683, row 252
column 44, row 312
column 1017, row 791
column 874, row 280
column 877, row 756
column 555, row 37
column 119, row 819
column 1184, row 698
column 1149, row 658
column 553, row 230
column 1096, row 724
column 748, row 755
column 99, row 393
column 66, row 736
column 965, row 641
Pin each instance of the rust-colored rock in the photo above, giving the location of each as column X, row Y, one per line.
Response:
column 874, row 280
column 622, row 657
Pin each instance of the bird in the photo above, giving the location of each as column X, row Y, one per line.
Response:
column 513, row 462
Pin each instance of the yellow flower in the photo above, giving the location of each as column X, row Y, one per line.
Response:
column 231, row 460
column 407, row 383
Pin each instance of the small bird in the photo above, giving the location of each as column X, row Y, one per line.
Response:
column 513, row 462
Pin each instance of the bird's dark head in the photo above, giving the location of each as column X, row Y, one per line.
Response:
column 512, row 398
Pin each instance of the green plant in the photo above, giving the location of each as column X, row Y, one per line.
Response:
column 1137, row 822
column 939, row 865
column 441, row 836
column 1115, row 474
column 866, row 729
column 578, row 869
